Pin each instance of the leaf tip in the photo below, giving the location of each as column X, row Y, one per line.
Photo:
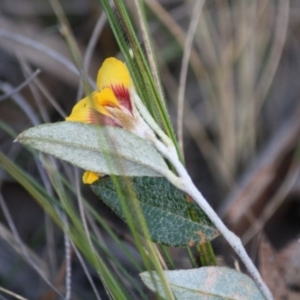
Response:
column 17, row 139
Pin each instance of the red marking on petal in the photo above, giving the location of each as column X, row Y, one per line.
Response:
column 123, row 96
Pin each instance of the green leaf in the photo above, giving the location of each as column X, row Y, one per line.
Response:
column 102, row 149
column 165, row 208
column 206, row 283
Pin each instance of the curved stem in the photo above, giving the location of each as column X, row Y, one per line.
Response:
column 185, row 183
column 231, row 238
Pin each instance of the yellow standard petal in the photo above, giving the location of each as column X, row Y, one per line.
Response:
column 89, row 177
column 113, row 72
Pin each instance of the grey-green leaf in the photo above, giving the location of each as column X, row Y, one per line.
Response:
column 206, row 283
column 102, row 149
column 166, row 210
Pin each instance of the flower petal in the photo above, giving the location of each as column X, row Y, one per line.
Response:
column 113, row 72
column 115, row 75
column 110, row 105
column 92, row 109
column 105, row 97
column 90, row 177
column 81, row 112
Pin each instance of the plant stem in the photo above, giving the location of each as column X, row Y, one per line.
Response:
column 207, row 257
column 189, row 187
column 204, row 250
column 191, row 257
column 184, row 182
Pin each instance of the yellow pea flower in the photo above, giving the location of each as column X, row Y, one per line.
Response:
column 111, row 104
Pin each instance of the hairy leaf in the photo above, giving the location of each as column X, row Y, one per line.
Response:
column 166, row 210
column 102, row 149
column 207, row 283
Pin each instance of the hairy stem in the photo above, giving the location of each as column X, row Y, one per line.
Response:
column 185, row 183
column 232, row 239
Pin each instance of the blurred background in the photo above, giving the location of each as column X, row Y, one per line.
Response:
column 230, row 71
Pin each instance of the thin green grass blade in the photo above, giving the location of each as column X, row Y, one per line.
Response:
column 115, row 238
column 146, row 248
column 138, row 66
column 75, row 232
